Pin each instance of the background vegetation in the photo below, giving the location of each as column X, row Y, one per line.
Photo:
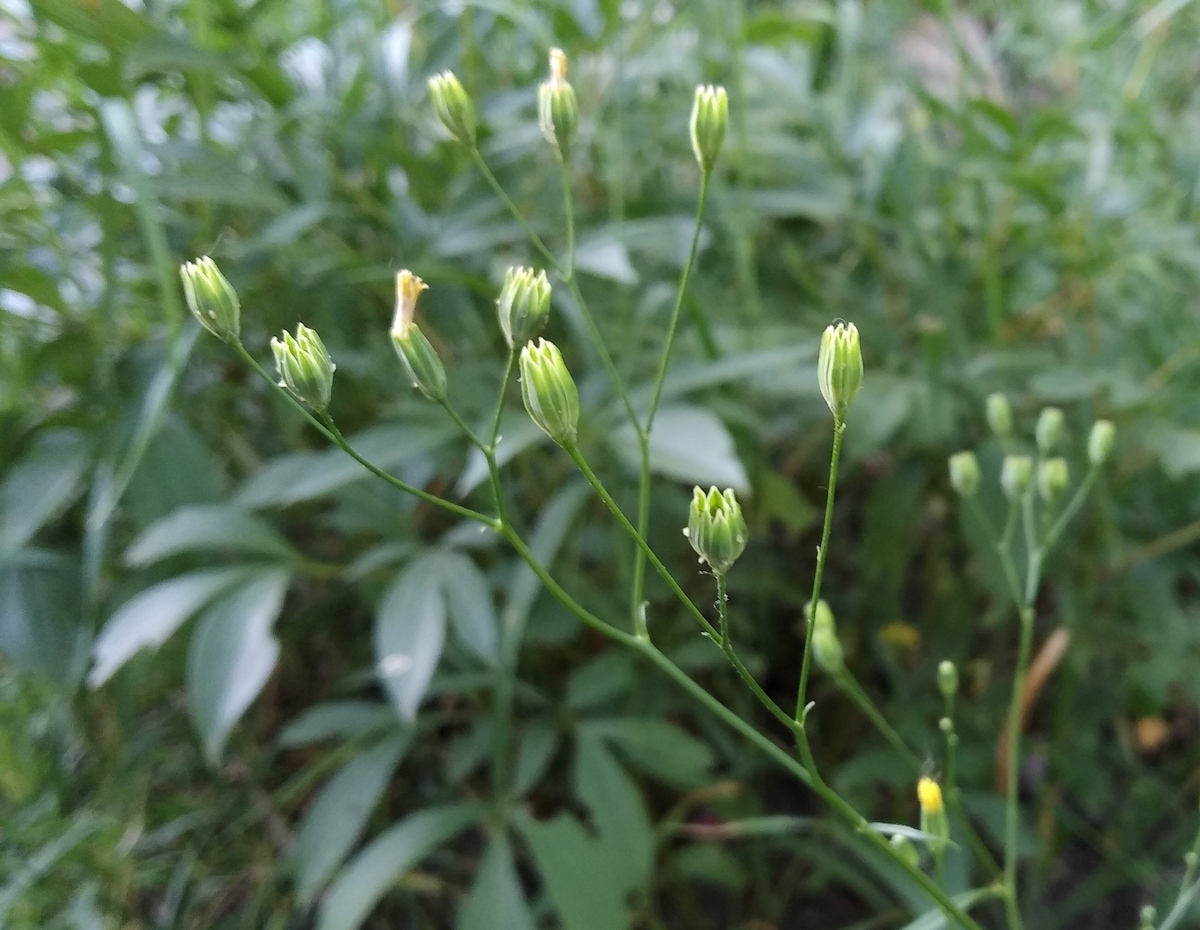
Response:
column 1001, row 199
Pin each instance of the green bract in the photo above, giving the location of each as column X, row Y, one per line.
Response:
column 305, row 368
column 211, row 298
column 558, row 110
column 716, row 528
column 840, row 367
column 549, row 391
column 524, row 305
column 453, row 106
column 710, row 116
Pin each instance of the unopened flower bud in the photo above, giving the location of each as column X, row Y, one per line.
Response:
column 453, row 106
column 1147, row 917
column 305, row 368
column 710, row 116
column 840, row 367
column 904, row 849
column 827, row 648
column 964, row 474
column 419, row 357
column 211, row 298
column 1049, row 429
column 524, row 305
column 558, row 110
column 947, row 678
column 716, row 528
column 1052, row 478
column 1015, row 475
column 549, row 391
column 1100, row 442
column 999, row 415
column 933, row 814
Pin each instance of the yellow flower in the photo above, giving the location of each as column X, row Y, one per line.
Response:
column 408, row 289
column 929, row 793
column 900, row 635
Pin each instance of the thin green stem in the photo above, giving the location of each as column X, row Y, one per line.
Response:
column 509, row 367
column 954, row 795
column 538, row 244
column 464, row 427
column 1192, row 860
column 723, row 610
column 1011, row 810
column 726, row 644
column 638, row 589
column 853, row 690
column 569, row 214
column 999, row 544
column 602, row 350
column 1070, row 511
column 839, row 430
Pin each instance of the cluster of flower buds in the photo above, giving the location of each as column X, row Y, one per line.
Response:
column 710, row 116
column 211, row 298
column 558, row 110
column 716, row 528
column 1050, row 474
column 305, row 368
column 840, row 367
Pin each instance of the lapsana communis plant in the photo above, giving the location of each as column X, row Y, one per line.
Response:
column 717, row 528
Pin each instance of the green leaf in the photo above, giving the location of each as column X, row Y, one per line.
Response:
column 936, row 918
column 469, row 600
column 207, row 527
column 496, row 901
column 577, row 873
column 336, row 818
column 231, row 657
column 660, row 749
column 334, row 718
column 1178, row 450
column 109, row 22
column 40, row 612
column 410, row 630
column 617, row 810
column 688, row 444
column 149, row 618
column 369, row 875
column 608, row 675
column 40, row 487
column 535, row 751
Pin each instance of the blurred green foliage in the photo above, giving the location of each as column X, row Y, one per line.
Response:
column 1000, row 200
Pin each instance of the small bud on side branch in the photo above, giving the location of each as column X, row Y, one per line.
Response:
column 716, row 528
column 453, row 106
column 549, row 391
column 305, row 368
column 999, row 415
column 840, row 367
column 964, row 474
column 523, row 305
column 558, row 110
column 416, row 353
column 212, row 299
column 1015, row 475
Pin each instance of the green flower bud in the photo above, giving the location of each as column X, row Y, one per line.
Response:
column 1052, row 478
column 418, row 355
column 1015, row 475
column 1049, row 429
column 524, row 305
column 305, row 368
column 453, row 106
column 558, row 110
column 827, row 648
column 839, row 367
column 716, row 528
column 549, row 391
column 1100, row 442
column 933, row 815
column 999, row 415
column 964, row 474
column 211, row 298
column 710, row 116
column 947, row 678
column 1147, row 917
column 904, row 849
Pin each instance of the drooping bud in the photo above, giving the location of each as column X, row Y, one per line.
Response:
column 947, row 678
column 710, row 116
column 716, row 528
column 933, row 815
column 305, row 368
column 999, row 415
column 1049, row 429
column 1052, row 478
column 1015, row 475
column 453, row 106
column 211, row 298
column 840, row 367
column 1100, row 442
column 419, row 357
column 558, row 110
column 524, row 305
column 964, row 474
column 827, row 648
column 905, row 850
column 549, row 391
